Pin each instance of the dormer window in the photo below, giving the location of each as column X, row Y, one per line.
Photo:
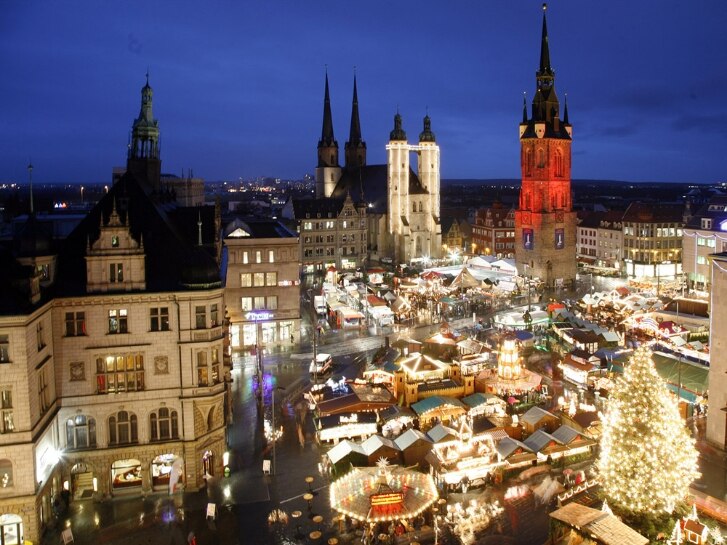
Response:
column 114, row 241
column 706, row 223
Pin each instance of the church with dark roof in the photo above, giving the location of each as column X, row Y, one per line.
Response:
column 402, row 206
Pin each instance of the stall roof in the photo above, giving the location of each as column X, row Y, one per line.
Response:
column 431, row 403
column 343, row 449
column 539, row 440
column 599, row 525
column 396, row 411
column 565, row 434
column 506, row 446
column 535, row 415
column 409, row 437
column 477, row 399
column 440, row 433
column 375, row 442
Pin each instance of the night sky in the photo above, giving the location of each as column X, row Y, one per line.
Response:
column 238, row 86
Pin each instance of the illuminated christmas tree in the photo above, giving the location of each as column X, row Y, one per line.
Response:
column 648, row 459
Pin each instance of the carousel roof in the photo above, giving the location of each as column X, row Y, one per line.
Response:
column 352, row 493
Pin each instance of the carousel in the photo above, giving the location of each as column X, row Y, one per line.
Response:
column 383, row 493
column 511, row 376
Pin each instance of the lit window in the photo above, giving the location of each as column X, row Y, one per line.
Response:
column 246, row 303
column 6, row 405
column 245, row 257
column 214, row 315
column 271, row 279
column 258, row 256
column 259, row 279
column 202, row 372
column 245, row 280
column 118, row 321
column 271, row 256
column 120, row 373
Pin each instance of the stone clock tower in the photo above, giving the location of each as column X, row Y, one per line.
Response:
column 545, row 224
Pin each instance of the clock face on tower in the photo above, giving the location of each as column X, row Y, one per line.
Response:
column 559, row 216
column 526, row 218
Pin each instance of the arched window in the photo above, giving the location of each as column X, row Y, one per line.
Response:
column 123, row 428
column 558, row 163
column 529, row 162
column 541, row 158
column 80, row 432
column 421, row 207
column 6, row 473
column 164, row 424
column 413, row 207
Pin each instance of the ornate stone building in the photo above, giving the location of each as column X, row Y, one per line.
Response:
column 113, row 380
column 545, row 224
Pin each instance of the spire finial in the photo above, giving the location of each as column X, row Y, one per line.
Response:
column 545, row 68
column 545, row 7
column 525, row 107
column 147, row 75
column 30, row 184
column 565, row 110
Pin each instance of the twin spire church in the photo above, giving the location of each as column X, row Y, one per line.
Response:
column 401, row 206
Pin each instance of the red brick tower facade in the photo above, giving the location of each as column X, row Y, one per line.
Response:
column 545, row 224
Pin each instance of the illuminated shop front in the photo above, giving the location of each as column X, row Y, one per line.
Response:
column 161, row 470
column 262, row 328
column 126, row 475
column 11, row 530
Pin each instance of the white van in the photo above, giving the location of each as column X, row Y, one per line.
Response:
column 321, row 365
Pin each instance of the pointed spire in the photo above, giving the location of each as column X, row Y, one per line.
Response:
column 544, row 47
column 565, row 110
column 525, row 107
column 30, row 184
column 327, row 133
column 199, row 228
column 355, row 134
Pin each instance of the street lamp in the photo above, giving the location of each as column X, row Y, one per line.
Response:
column 272, row 417
column 82, row 188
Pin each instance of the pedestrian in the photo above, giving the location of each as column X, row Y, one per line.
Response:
column 191, row 539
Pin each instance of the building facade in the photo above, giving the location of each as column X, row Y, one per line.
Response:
column 262, row 292
column 705, row 233
column 113, row 383
column 494, row 231
column 717, row 415
column 332, row 232
column 652, row 240
column 545, row 223
column 403, row 208
column 599, row 241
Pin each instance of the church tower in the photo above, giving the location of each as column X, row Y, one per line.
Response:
column 545, row 224
column 143, row 155
column 428, row 168
column 328, row 172
column 398, row 189
column 355, row 149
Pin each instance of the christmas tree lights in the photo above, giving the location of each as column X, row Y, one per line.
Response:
column 648, row 459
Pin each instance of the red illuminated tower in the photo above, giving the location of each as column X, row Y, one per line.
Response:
column 545, row 224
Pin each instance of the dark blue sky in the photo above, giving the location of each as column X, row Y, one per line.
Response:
column 239, row 85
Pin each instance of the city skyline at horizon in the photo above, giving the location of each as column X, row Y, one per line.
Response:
column 644, row 105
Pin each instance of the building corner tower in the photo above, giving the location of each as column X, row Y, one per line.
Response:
column 545, row 223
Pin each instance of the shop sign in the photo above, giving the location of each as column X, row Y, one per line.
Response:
column 257, row 316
